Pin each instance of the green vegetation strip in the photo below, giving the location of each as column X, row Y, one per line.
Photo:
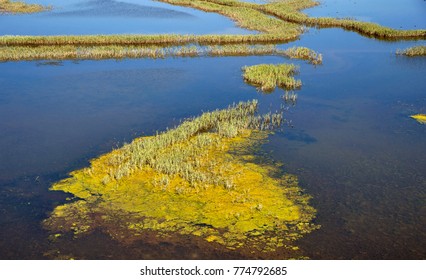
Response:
column 128, row 51
column 7, row 6
column 289, row 11
column 199, row 179
column 266, row 77
column 413, row 51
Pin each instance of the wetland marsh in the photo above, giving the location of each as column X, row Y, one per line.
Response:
column 85, row 172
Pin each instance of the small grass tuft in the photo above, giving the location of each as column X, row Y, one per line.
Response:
column 413, row 51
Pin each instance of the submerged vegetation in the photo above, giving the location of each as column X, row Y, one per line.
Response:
column 7, row 6
column 198, row 180
column 266, row 77
column 420, row 118
column 413, row 51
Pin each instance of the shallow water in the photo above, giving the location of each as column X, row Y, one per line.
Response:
column 398, row 14
column 351, row 143
column 79, row 17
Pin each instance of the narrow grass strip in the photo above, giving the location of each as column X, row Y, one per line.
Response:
column 119, row 52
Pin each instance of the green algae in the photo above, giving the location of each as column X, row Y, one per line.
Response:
column 199, row 179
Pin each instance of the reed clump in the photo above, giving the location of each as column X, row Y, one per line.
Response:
column 266, row 77
column 7, row 6
column 290, row 97
column 304, row 53
column 196, row 180
column 413, row 51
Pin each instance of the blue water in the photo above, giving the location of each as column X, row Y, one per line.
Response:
column 399, row 14
column 79, row 17
column 351, row 142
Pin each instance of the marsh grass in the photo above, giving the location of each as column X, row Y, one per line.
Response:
column 290, row 97
column 277, row 22
column 17, row 53
column 266, row 77
column 413, row 51
column 226, row 123
column 304, row 53
column 7, row 6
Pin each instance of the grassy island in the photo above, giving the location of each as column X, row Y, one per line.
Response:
column 413, row 51
column 199, row 179
column 266, row 77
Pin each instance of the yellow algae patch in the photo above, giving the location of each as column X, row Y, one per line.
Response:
column 198, row 179
column 421, row 118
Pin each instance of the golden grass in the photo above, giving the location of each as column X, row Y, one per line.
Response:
column 7, row 6
column 266, row 77
column 304, row 53
column 277, row 22
column 61, row 52
column 198, row 179
column 413, row 51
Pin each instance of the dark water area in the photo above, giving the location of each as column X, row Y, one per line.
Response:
column 351, row 142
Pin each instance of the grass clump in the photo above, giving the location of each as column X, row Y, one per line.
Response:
column 266, row 77
column 420, row 118
column 304, row 53
column 413, row 51
column 7, row 6
column 195, row 180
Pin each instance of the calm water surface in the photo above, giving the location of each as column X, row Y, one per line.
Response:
column 114, row 17
column 351, row 143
